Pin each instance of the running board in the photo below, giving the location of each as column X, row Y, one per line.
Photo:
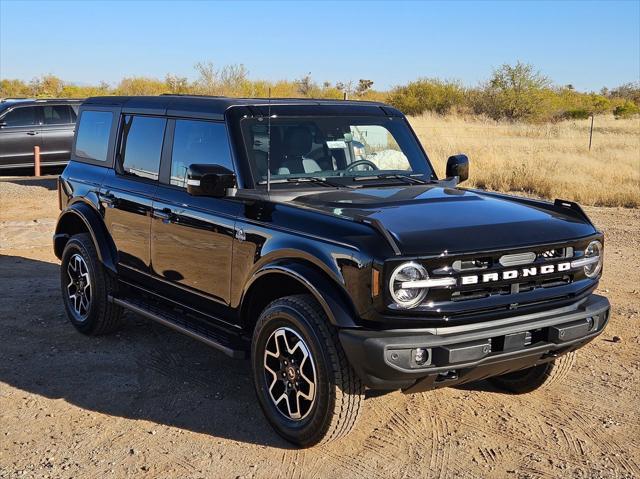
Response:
column 174, row 322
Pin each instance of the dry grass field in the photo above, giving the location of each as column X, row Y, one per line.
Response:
column 550, row 160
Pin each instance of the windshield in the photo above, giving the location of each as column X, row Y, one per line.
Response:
column 332, row 147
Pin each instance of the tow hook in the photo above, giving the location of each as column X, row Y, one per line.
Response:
column 447, row 376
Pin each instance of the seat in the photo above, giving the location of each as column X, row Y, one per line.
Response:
column 297, row 143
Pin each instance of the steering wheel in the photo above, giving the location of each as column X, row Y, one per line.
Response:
column 355, row 164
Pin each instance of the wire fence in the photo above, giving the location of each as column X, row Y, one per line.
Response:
column 586, row 135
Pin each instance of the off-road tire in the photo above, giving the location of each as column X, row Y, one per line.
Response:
column 537, row 377
column 339, row 391
column 103, row 317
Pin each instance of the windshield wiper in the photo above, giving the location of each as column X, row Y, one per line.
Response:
column 320, row 180
column 308, row 179
column 396, row 176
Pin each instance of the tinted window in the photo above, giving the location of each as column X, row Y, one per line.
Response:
column 201, row 142
column 21, row 117
column 94, row 129
column 142, row 145
column 57, row 115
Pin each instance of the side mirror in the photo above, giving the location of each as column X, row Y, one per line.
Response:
column 209, row 180
column 458, row 165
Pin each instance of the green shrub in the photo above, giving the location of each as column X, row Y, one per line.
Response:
column 514, row 92
column 626, row 110
column 439, row 96
column 577, row 114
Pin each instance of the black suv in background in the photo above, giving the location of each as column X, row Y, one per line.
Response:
column 315, row 238
column 26, row 123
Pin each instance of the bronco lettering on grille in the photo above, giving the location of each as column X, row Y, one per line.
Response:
column 515, row 273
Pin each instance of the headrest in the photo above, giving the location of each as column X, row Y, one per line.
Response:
column 298, row 141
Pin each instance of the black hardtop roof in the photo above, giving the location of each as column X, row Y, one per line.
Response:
column 208, row 106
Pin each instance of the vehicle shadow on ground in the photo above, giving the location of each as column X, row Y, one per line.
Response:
column 479, row 386
column 145, row 371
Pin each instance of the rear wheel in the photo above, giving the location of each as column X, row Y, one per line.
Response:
column 537, row 377
column 86, row 287
column 305, row 385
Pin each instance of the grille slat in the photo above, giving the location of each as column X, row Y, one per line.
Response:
column 508, row 289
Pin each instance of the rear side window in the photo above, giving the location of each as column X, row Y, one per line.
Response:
column 57, row 115
column 198, row 142
column 141, row 145
column 92, row 141
column 21, row 117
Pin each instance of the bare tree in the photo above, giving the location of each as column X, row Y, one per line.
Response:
column 232, row 79
column 363, row 86
column 177, row 84
column 207, row 81
column 346, row 87
column 305, row 85
column 229, row 80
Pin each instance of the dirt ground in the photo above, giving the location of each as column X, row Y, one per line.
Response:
column 148, row 402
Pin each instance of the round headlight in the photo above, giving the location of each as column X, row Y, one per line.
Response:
column 407, row 297
column 594, row 250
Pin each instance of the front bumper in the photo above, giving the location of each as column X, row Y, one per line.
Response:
column 459, row 354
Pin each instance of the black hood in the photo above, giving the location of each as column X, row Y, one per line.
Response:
column 431, row 219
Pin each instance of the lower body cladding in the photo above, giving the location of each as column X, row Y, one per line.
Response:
column 422, row 359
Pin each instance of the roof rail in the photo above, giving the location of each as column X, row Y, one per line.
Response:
column 192, row 94
column 58, row 99
column 282, row 98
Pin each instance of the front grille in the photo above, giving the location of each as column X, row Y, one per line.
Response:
column 503, row 280
column 510, row 289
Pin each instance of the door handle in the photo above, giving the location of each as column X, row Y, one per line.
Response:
column 31, row 133
column 108, row 199
column 165, row 214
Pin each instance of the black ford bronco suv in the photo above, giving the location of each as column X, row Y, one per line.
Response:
column 314, row 238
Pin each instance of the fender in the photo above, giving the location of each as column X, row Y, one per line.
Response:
column 94, row 225
column 333, row 299
column 558, row 206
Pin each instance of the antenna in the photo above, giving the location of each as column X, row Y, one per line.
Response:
column 269, row 150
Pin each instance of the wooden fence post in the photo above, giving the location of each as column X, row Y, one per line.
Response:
column 36, row 162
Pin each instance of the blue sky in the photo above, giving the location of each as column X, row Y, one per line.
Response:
column 588, row 44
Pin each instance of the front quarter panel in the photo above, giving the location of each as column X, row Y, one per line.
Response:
column 277, row 235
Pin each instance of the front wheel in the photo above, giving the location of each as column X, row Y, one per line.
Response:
column 537, row 377
column 307, row 389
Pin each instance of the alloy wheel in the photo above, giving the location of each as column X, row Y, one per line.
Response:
column 290, row 373
column 79, row 286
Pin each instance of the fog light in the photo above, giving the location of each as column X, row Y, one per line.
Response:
column 420, row 356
